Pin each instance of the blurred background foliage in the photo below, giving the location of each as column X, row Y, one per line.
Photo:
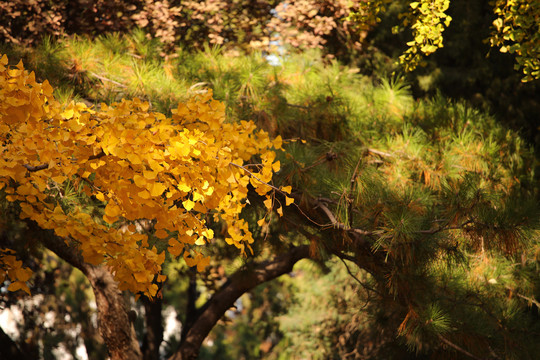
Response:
column 457, row 138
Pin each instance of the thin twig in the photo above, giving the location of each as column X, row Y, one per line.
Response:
column 443, row 228
column 298, row 106
column 103, row 78
column 339, row 225
column 367, row 287
column 381, row 153
column 36, row 168
column 256, row 178
column 353, row 181
column 46, row 166
column 525, row 297
column 460, row 349
column 278, row 190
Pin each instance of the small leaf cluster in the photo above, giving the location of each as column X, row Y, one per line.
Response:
column 13, row 269
column 517, row 31
column 428, row 20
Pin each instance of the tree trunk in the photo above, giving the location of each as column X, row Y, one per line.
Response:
column 154, row 328
column 113, row 321
column 115, row 327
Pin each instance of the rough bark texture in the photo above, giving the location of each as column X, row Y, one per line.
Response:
column 154, row 328
column 238, row 284
column 114, row 325
column 113, row 321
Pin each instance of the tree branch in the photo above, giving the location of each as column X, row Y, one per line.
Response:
column 46, row 166
column 336, row 224
column 458, row 348
column 239, row 283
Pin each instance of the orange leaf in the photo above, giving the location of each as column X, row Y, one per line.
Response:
column 268, row 203
column 175, row 247
column 162, row 234
column 157, row 189
column 112, row 210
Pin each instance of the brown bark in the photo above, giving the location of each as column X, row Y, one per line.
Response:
column 114, row 325
column 238, row 284
column 154, row 328
column 113, row 321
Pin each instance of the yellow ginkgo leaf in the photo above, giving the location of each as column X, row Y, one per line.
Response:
column 200, row 241
column 139, row 181
column 175, row 247
column 188, row 204
column 268, row 203
column 59, row 179
column 189, row 260
column 144, row 194
column 203, row 263
column 18, row 285
column 140, row 276
column 157, row 189
column 288, row 201
column 183, row 187
column 280, row 211
column 208, row 233
column 278, row 142
column 112, row 210
column 134, row 159
column 150, row 175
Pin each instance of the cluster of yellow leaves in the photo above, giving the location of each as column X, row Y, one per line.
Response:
column 13, row 269
column 428, row 20
column 517, row 31
column 180, row 173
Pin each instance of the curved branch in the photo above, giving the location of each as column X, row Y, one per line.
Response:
column 239, row 283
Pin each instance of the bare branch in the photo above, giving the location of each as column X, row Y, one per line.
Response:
column 103, row 78
column 456, row 347
column 36, row 168
column 338, row 225
column 46, row 166
column 380, row 153
column 239, row 283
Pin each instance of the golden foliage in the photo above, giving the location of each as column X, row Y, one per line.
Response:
column 179, row 172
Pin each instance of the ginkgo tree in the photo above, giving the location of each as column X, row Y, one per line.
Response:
column 175, row 174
